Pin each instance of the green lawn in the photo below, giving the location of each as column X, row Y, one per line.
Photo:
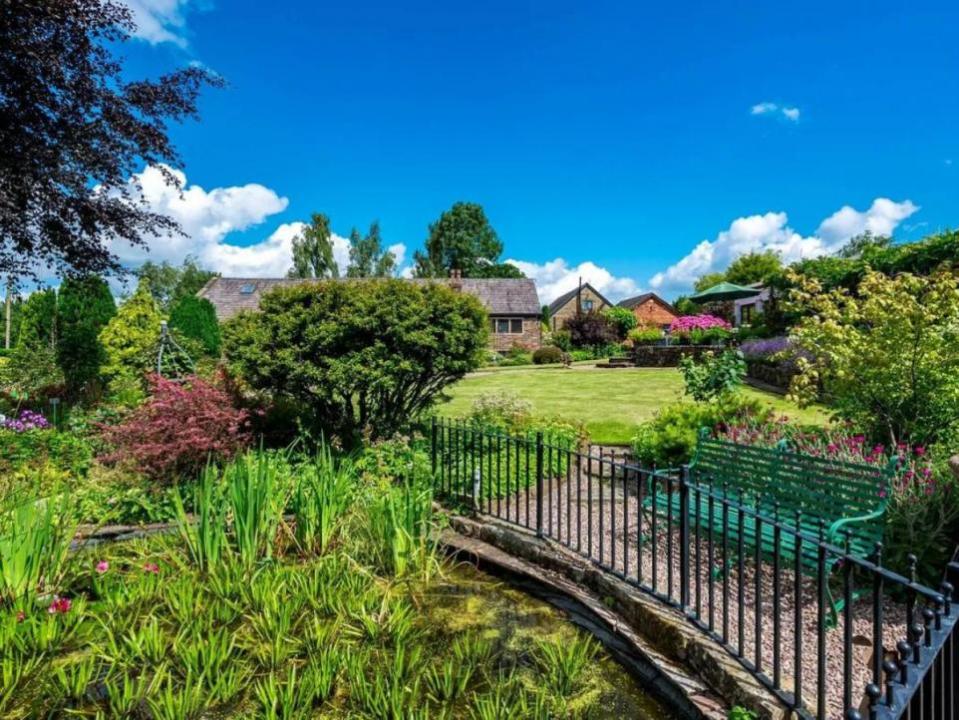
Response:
column 610, row 402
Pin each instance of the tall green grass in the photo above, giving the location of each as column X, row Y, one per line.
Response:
column 399, row 526
column 35, row 537
column 323, row 491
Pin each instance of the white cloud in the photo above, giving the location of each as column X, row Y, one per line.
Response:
column 399, row 252
column 208, row 217
column 881, row 218
column 555, row 277
column 771, row 108
column 758, row 233
column 763, row 108
column 159, row 21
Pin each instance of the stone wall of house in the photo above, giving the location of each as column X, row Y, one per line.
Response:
column 653, row 314
column 569, row 309
column 531, row 338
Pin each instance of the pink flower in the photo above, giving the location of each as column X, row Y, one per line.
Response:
column 21, row 616
column 152, row 568
column 102, row 566
column 919, row 450
column 59, row 606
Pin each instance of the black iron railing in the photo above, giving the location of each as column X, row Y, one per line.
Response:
column 830, row 633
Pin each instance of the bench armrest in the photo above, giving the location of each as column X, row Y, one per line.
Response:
column 834, row 529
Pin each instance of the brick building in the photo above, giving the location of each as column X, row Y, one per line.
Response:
column 650, row 310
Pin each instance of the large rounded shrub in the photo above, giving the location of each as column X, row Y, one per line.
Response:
column 361, row 357
column 547, row 355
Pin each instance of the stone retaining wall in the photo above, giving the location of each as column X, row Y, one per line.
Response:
column 669, row 355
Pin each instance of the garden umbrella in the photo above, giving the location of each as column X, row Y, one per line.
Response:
column 724, row 291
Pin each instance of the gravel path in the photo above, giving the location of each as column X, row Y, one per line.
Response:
column 601, row 520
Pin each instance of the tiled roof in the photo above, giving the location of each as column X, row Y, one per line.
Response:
column 567, row 296
column 499, row 296
column 630, row 303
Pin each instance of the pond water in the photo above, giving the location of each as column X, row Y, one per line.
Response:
column 469, row 600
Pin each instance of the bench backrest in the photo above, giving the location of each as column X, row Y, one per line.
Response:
column 821, row 488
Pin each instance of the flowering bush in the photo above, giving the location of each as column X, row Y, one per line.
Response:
column 688, row 323
column 178, row 429
column 765, row 348
column 712, row 376
column 26, row 420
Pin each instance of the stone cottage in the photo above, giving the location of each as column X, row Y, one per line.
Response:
column 512, row 304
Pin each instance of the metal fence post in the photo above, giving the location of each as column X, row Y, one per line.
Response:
column 433, row 448
column 539, row 484
column 684, row 536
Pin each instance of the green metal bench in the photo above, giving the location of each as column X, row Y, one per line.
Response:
column 837, row 502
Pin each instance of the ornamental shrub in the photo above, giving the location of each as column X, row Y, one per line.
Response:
column 669, row 438
column 562, row 340
column 712, row 376
column 177, row 430
column 548, row 354
column 590, row 329
column 194, row 318
column 886, row 359
column 131, row 338
column 363, row 357
column 84, row 307
column 645, row 335
column 42, row 447
column 622, row 320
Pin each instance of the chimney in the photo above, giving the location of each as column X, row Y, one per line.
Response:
column 456, row 279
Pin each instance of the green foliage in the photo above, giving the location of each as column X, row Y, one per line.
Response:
column 562, row 340
column 506, row 271
column 38, row 319
column 712, row 376
column 367, row 256
column 740, row 713
column 58, row 451
column 685, row 306
column 563, row 664
column 84, row 306
column 313, row 251
column 131, row 338
column 381, row 463
column 35, row 536
column 668, row 439
column 886, row 359
column 622, row 319
column 400, row 524
column 362, row 357
column 517, row 355
column 194, row 318
column 169, row 283
column 547, row 354
column 324, row 490
column 754, row 267
column 645, row 335
column 708, row 280
column 31, row 372
column 461, row 239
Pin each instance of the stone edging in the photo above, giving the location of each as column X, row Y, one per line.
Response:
column 656, row 631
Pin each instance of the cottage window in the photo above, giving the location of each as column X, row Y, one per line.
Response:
column 588, row 305
column 247, row 289
column 746, row 313
column 507, row 326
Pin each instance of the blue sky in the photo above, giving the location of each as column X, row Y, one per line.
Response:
column 635, row 144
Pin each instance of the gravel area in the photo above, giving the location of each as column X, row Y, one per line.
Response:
column 601, row 519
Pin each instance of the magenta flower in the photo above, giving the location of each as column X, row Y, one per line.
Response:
column 102, row 566
column 59, row 606
column 919, row 450
column 152, row 568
